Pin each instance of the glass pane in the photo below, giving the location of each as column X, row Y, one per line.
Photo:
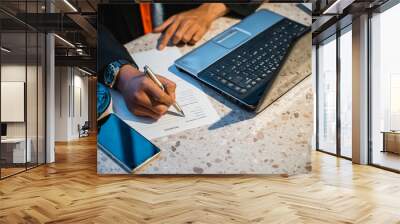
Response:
column 31, row 87
column 41, row 98
column 13, row 87
column 327, row 96
column 386, row 89
column 346, row 94
column 31, row 98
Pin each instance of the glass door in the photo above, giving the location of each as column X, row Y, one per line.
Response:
column 13, row 104
column 22, row 77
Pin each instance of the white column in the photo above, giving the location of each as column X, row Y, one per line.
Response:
column 50, row 93
column 360, row 90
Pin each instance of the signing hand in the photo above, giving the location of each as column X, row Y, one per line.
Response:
column 190, row 26
column 142, row 96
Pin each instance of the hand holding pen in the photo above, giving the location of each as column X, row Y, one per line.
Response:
column 154, row 78
column 142, row 95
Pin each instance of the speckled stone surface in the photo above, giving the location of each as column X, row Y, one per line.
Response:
column 276, row 141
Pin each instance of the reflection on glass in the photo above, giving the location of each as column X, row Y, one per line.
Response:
column 22, row 90
column 13, row 85
column 327, row 96
column 346, row 93
column 385, row 87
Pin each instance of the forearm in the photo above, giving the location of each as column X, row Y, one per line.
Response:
column 214, row 10
column 109, row 50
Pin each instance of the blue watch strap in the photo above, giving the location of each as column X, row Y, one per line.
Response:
column 103, row 98
column 111, row 71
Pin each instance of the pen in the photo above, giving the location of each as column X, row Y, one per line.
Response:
column 153, row 77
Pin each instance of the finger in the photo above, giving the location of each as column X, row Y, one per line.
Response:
column 164, row 25
column 168, row 34
column 159, row 108
column 155, row 107
column 169, row 86
column 187, row 37
column 143, row 100
column 183, row 27
column 142, row 111
column 197, row 36
column 157, row 94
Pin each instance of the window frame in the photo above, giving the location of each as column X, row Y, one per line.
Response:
column 29, row 29
column 337, row 35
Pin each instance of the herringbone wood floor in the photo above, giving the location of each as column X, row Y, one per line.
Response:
column 70, row 191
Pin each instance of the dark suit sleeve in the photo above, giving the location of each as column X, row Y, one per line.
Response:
column 242, row 10
column 109, row 50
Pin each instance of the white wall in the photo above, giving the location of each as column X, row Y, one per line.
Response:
column 61, row 103
column 16, row 72
column 71, row 94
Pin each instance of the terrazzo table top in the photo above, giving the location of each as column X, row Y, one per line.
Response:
column 275, row 141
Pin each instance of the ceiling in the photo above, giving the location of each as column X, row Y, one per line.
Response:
column 16, row 43
column 72, row 20
column 75, row 21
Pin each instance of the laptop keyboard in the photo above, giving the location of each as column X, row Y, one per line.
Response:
column 254, row 63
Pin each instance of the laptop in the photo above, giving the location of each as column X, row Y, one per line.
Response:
column 243, row 61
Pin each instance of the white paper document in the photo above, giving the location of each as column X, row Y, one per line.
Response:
column 189, row 95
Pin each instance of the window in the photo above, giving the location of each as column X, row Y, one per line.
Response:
column 326, row 61
column 334, row 106
column 394, row 102
column 385, row 89
column 346, row 92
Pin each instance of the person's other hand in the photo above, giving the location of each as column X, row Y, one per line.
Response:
column 142, row 96
column 190, row 26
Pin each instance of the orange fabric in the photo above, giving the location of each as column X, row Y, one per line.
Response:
column 145, row 12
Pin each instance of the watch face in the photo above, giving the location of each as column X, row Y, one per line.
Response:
column 112, row 70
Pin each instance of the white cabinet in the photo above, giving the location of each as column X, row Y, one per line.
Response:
column 16, row 146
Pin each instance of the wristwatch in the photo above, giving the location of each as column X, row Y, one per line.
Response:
column 103, row 100
column 112, row 70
